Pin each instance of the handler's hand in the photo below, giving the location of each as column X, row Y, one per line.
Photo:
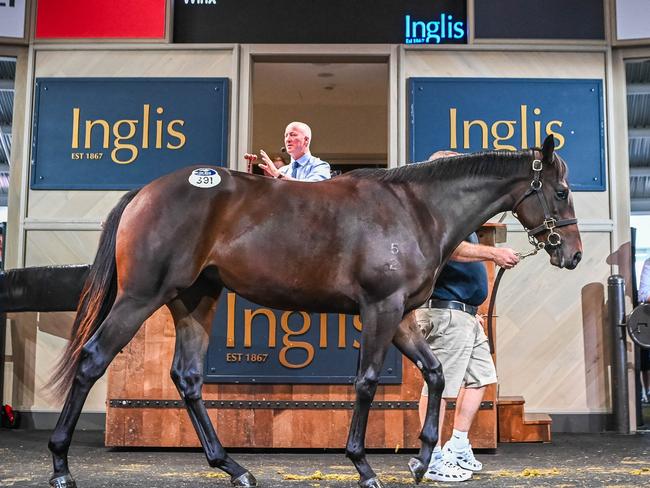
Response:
column 269, row 168
column 505, row 257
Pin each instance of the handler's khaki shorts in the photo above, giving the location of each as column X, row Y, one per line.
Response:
column 458, row 341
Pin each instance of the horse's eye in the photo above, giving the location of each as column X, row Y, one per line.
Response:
column 562, row 194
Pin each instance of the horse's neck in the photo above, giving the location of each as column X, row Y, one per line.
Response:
column 462, row 204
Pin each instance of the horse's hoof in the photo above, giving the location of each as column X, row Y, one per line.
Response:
column 371, row 483
column 418, row 468
column 65, row 481
column 245, row 480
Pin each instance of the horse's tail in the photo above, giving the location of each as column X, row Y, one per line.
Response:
column 97, row 298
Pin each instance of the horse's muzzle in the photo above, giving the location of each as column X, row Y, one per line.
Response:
column 574, row 262
column 559, row 259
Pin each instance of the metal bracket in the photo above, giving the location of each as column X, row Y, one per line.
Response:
column 264, row 405
column 487, row 405
column 550, row 223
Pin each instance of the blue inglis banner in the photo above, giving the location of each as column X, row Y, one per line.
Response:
column 252, row 344
column 121, row 133
column 482, row 114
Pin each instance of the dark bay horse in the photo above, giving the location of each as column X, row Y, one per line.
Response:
column 370, row 242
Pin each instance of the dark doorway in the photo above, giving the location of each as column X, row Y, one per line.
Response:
column 344, row 101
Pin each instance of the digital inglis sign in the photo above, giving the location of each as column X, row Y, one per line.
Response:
column 443, row 30
column 321, row 21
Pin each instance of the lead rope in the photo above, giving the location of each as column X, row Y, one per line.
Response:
column 495, row 288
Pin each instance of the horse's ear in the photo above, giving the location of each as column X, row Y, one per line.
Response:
column 548, row 148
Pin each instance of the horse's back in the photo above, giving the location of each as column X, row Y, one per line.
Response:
column 195, row 224
column 268, row 239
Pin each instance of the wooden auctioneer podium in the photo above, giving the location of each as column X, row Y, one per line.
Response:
column 144, row 408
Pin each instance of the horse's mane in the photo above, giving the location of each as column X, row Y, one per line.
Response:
column 495, row 163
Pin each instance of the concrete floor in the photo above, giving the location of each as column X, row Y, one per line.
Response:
column 569, row 461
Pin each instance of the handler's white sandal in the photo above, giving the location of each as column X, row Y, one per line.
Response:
column 442, row 470
column 463, row 458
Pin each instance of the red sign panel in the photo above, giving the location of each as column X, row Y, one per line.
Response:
column 83, row 19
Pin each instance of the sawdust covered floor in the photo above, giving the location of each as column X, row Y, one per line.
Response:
column 571, row 460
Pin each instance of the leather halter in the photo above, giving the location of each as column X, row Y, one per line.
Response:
column 552, row 240
column 550, row 222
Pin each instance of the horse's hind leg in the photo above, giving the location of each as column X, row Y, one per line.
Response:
column 380, row 321
column 119, row 327
column 193, row 311
column 410, row 341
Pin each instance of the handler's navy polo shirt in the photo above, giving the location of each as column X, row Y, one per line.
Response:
column 463, row 282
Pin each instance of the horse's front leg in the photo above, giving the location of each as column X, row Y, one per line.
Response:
column 410, row 341
column 380, row 321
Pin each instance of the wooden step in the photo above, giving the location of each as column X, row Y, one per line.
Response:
column 517, row 426
column 537, row 418
column 511, row 400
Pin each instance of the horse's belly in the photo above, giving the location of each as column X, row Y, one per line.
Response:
column 280, row 294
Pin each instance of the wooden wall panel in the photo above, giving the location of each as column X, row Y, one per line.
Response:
column 509, row 64
column 552, row 346
column 43, row 229
column 553, row 337
column 136, row 62
column 50, row 330
column 72, row 205
column 47, row 247
column 95, row 205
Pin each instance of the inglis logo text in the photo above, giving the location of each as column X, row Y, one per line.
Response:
column 266, row 321
column 433, row 32
column 120, row 134
column 12, row 3
column 200, row 2
column 493, row 134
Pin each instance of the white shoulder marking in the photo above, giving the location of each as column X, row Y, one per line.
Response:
column 204, row 178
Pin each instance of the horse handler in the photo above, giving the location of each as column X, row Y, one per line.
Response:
column 454, row 332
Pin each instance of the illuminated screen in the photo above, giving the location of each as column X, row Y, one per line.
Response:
column 321, row 21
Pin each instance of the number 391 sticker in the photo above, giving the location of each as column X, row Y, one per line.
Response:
column 204, row 178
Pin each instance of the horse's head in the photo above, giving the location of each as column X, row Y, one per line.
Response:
column 546, row 208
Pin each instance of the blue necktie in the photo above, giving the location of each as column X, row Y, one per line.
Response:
column 294, row 169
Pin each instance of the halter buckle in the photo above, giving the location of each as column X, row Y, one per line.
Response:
column 549, row 223
column 536, row 185
column 537, row 165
